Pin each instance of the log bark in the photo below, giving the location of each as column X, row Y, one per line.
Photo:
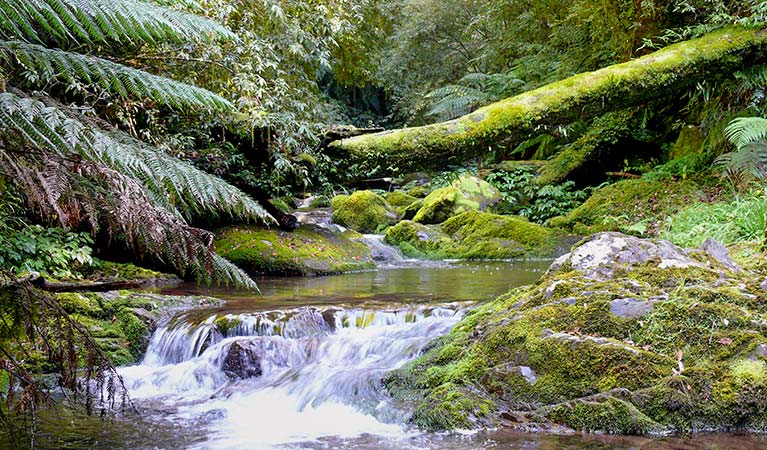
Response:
column 662, row 74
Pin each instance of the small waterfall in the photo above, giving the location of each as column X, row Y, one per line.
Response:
column 383, row 253
column 322, row 217
column 263, row 373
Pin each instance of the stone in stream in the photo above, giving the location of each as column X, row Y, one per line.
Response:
column 241, row 361
column 622, row 335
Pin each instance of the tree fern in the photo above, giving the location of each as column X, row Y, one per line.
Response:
column 49, row 64
column 746, row 130
column 471, row 92
column 172, row 182
column 81, row 172
column 68, row 23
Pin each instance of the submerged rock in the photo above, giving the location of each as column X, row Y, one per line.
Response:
column 310, row 250
column 622, row 335
column 241, row 361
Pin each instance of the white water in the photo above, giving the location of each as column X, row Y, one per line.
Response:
column 321, row 373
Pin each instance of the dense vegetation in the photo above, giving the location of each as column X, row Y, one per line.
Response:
column 131, row 131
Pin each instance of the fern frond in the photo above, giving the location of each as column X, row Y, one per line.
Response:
column 451, row 101
column 70, row 23
column 172, row 183
column 85, row 194
column 749, row 162
column 746, row 130
column 125, row 81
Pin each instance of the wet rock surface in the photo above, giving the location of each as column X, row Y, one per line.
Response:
column 241, row 361
column 621, row 335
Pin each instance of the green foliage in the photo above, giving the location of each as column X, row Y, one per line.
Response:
column 56, row 252
column 47, row 65
column 69, row 24
column 469, row 93
column 523, row 196
column 73, row 166
column 749, row 160
column 728, row 222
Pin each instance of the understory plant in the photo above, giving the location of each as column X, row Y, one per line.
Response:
column 523, row 197
column 66, row 68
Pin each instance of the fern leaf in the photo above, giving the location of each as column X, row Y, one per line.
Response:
column 746, row 130
column 125, row 81
column 71, row 23
column 171, row 182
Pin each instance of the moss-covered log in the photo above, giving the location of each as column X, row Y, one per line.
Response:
column 659, row 75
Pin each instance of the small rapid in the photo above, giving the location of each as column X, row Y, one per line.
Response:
column 274, row 378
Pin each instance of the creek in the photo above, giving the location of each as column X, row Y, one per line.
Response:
column 300, row 366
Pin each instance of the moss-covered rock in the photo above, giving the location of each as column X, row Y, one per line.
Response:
column 399, row 199
column 467, row 193
column 474, row 235
column 309, row 250
column 121, row 323
column 690, row 142
column 363, row 211
column 559, row 353
column 409, row 211
column 619, row 206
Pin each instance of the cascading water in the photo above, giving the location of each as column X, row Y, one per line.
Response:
column 268, row 379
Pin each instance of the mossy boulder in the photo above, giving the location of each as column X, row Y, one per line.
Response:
column 690, row 142
column 399, row 199
column 560, row 354
column 467, row 193
column 630, row 203
column 121, row 322
column 309, row 250
column 363, row 211
column 475, row 235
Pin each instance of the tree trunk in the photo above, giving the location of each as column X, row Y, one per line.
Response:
column 662, row 74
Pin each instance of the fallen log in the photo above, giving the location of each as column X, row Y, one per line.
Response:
column 663, row 74
column 40, row 282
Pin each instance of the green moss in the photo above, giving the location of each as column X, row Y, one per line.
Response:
column 135, row 331
column 73, row 302
column 602, row 136
column 690, row 142
column 409, row 211
column 308, row 250
column 123, row 271
column 418, row 191
column 473, row 235
column 617, row 206
column 467, row 193
column 610, row 415
column 363, row 211
column 225, row 324
column 399, row 199
column 693, row 361
column 477, row 227
column 667, row 72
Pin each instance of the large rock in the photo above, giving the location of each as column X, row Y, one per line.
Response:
column 241, row 361
column 310, row 250
column 475, row 235
column 623, row 335
column 363, row 211
column 467, row 193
